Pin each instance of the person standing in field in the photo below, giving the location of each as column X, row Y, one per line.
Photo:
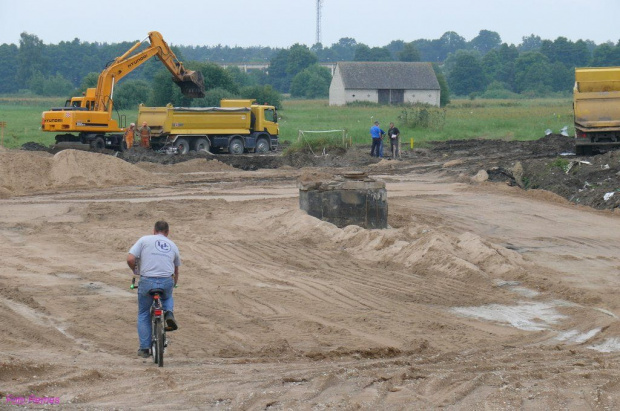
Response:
column 393, row 135
column 129, row 135
column 375, row 134
column 145, row 135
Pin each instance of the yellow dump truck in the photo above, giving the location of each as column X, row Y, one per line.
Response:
column 237, row 126
column 596, row 104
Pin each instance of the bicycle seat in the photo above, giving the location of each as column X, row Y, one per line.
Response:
column 156, row 291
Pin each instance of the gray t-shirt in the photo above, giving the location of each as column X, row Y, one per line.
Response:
column 158, row 255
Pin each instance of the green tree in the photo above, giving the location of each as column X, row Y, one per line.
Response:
column 129, row 94
column 395, row 47
column 164, row 91
column 263, row 95
column 466, row 75
column 8, row 79
column 215, row 76
column 313, row 82
column 299, row 58
column 606, row 54
column 30, row 58
column 344, row 50
column 409, row 53
column 55, row 85
column 241, row 78
column 365, row 53
column 485, row 41
column 278, row 76
column 88, row 81
column 530, row 43
column 444, row 97
column 451, row 42
column 532, row 73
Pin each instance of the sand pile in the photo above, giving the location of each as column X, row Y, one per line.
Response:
column 28, row 172
column 464, row 256
column 23, row 172
column 80, row 168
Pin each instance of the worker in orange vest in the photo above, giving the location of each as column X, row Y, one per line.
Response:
column 129, row 135
column 145, row 136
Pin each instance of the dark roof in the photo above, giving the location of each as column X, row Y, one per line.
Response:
column 388, row 75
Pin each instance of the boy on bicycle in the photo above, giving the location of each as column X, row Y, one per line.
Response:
column 159, row 268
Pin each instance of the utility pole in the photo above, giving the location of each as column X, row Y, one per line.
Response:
column 319, row 4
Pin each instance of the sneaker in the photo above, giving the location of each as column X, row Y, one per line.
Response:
column 171, row 324
column 143, row 352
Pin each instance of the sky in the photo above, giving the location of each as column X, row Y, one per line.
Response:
column 282, row 23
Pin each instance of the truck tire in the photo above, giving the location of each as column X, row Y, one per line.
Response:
column 235, row 146
column 203, row 145
column 98, row 143
column 262, row 145
column 182, row 146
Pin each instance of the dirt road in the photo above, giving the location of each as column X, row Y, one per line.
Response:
column 479, row 296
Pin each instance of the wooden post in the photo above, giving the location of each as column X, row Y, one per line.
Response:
column 2, row 126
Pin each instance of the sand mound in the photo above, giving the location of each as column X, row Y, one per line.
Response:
column 466, row 256
column 384, row 163
column 80, row 168
column 28, row 172
column 22, row 172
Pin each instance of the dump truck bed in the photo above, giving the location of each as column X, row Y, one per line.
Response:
column 198, row 120
column 596, row 98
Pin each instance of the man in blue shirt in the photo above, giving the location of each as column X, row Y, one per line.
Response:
column 376, row 133
column 159, row 268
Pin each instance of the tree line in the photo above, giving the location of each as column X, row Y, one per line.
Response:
column 484, row 66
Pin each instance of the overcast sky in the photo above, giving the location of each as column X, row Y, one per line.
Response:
column 282, row 23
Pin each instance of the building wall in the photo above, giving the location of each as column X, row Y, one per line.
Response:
column 422, row 96
column 361, row 95
column 336, row 90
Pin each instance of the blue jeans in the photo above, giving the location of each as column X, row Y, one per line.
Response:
column 145, row 301
column 375, row 149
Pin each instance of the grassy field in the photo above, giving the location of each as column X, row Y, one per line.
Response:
column 462, row 119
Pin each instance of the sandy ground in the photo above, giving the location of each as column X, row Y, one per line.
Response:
column 479, row 296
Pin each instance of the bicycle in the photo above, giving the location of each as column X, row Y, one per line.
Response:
column 159, row 342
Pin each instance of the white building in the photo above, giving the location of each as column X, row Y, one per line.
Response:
column 384, row 83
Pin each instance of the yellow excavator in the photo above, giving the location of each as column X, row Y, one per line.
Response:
column 90, row 116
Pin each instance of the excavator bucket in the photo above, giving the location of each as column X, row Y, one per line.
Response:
column 192, row 84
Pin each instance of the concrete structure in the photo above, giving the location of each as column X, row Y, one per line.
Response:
column 353, row 199
column 384, row 83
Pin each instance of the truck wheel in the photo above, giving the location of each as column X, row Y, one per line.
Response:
column 262, row 146
column 235, row 146
column 181, row 145
column 202, row 144
column 98, row 143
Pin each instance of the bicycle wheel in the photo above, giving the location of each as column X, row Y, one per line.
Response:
column 159, row 343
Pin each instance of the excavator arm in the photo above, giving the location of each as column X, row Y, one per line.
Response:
column 190, row 82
